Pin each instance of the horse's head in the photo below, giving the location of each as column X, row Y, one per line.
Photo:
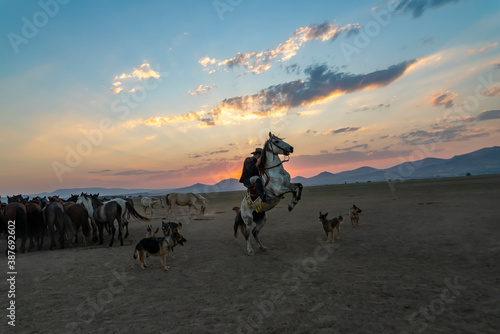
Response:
column 278, row 145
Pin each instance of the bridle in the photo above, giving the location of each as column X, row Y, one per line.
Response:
column 272, row 150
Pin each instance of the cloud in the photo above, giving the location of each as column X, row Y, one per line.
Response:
column 331, row 132
column 258, row 62
column 488, row 115
column 100, row 171
column 493, row 91
column 207, row 154
column 379, row 106
column 482, row 49
column 207, row 61
column 417, row 7
column 363, row 146
column 321, row 85
column 202, row 90
column 428, row 41
column 441, row 134
column 129, row 80
column 138, row 172
column 444, row 99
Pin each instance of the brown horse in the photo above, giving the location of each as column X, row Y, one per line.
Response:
column 57, row 220
column 80, row 219
column 15, row 214
column 190, row 199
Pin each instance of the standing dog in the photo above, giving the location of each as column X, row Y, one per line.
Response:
column 150, row 233
column 158, row 247
column 354, row 216
column 175, row 227
column 329, row 225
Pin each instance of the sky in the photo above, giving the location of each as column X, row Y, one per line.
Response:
column 166, row 94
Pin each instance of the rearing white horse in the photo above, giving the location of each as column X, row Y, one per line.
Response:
column 277, row 183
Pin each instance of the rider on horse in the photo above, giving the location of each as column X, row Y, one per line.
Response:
column 250, row 177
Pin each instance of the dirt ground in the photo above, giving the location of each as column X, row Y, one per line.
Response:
column 425, row 259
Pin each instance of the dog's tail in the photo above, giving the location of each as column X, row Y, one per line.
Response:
column 136, row 252
column 134, row 213
column 341, row 219
column 238, row 222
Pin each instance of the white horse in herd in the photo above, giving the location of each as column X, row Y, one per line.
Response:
column 150, row 202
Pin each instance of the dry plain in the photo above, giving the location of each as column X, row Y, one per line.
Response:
column 425, row 259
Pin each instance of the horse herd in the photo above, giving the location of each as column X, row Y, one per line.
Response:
column 87, row 214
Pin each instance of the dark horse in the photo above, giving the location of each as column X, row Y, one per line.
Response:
column 57, row 220
column 80, row 219
column 104, row 213
column 36, row 225
column 14, row 215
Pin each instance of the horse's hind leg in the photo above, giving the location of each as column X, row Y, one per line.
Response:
column 120, row 230
column 296, row 189
column 247, row 238
column 259, row 225
column 111, row 226
column 125, row 223
column 95, row 233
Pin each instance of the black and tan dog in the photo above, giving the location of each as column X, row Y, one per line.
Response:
column 150, row 233
column 354, row 216
column 329, row 225
column 158, row 246
column 176, row 227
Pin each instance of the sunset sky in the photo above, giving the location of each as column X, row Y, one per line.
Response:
column 165, row 94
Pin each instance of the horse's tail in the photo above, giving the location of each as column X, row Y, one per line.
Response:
column 21, row 222
column 238, row 222
column 166, row 199
column 84, row 222
column 134, row 213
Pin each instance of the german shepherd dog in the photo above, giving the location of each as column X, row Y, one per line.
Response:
column 150, row 233
column 176, row 227
column 329, row 225
column 158, row 246
column 354, row 216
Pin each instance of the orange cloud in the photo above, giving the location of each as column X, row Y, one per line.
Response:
column 483, row 48
column 444, row 99
column 138, row 74
column 493, row 91
column 201, row 90
column 258, row 62
column 275, row 101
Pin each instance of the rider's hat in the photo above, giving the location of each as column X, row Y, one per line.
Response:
column 257, row 150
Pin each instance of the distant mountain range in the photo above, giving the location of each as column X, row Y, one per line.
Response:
column 480, row 162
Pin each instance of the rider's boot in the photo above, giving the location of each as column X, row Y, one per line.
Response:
column 261, row 191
